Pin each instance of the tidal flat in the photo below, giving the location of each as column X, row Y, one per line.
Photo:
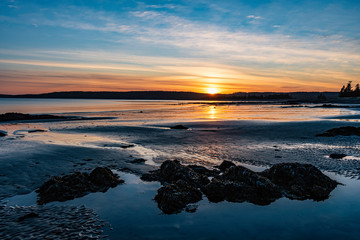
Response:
column 116, row 134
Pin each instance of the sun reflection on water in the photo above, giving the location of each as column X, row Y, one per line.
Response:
column 212, row 112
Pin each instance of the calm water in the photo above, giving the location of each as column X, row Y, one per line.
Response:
column 134, row 215
column 155, row 110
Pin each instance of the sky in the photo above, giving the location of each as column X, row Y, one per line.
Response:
column 187, row 45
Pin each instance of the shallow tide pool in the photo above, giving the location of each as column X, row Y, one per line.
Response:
column 133, row 214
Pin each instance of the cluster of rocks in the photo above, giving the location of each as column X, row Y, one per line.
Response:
column 183, row 185
column 344, row 131
column 49, row 222
column 21, row 116
column 77, row 185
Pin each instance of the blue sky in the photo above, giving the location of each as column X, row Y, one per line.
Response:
column 178, row 45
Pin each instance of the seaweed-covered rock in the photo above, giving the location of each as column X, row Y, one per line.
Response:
column 239, row 184
column 344, row 131
column 172, row 171
column 255, row 188
column 225, row 165
column 301, row 181
column 172, row 198
column 77, row 185
column 103, row 177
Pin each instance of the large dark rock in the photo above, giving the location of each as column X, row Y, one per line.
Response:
column 344, row 131
column 172, row 171
column 2, row 134
column 21, row 116
column 239, row 184
column 77, row 185
column 301, row 181
column 173, row 198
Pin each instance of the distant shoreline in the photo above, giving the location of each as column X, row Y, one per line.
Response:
column 169, row 95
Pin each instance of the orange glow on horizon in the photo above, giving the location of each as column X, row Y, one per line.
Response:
column 212, row 90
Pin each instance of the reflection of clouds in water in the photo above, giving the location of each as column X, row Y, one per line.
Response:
column 81, row 140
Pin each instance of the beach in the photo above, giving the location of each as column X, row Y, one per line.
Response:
column 114, row 133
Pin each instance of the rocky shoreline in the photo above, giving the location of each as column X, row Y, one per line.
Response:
column 183, row 185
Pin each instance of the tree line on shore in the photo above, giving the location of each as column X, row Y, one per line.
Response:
column 349, row 91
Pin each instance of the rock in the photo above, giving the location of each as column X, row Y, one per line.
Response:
column 20, row 116
column 203, row 170
column 301, row 181
column 172, row 198
column 181, row 184
column 77, row 185
column 29, row 215
column 172, row 171
column 179, row 127
column 239, row 184
column 344, row 131
column 127, row 146
column 225, row 165
column 137, row 161
column 215, row 190
column 337, row 155
column 2, row 134
column 36, row 130
column 103, row 177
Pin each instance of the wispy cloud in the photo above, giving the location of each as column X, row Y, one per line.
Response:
column 254, row 17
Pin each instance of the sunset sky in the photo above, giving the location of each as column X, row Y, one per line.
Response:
column 187, row 45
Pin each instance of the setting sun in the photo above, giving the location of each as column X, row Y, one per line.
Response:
column 212, row 90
